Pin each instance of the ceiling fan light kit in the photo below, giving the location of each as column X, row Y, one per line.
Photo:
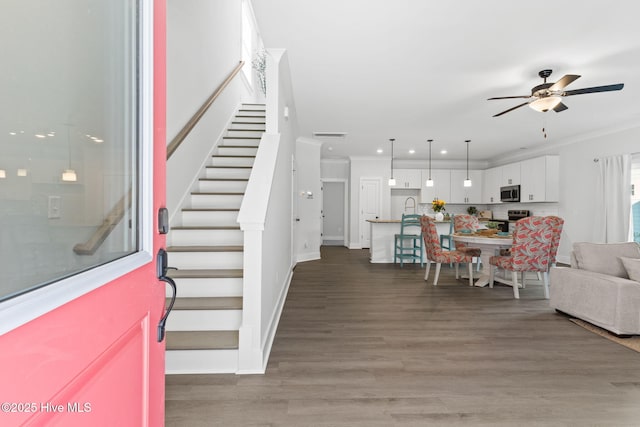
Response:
column 548, row 96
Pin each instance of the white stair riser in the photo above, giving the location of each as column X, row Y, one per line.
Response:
column 206, row 237
column 209, row 218
column 204, row 260
column 246, row 125
column 231, row 161
column 222, row 186
column 201, row 362
column 216, row 201
column 245, row 133
column 241, row 173
column 204, row 320
column 209, row 287
column 229, row 150
column 250, row 110
column 230, row 142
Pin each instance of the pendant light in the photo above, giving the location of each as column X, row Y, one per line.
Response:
column 467, row 182
column 69, row 175
column 392, row 180
column 429, row 182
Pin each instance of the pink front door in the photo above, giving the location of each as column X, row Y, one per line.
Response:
column 96, row 361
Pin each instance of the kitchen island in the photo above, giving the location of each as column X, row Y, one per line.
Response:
column 382, row 238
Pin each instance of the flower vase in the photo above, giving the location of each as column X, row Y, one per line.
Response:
column 439, row 216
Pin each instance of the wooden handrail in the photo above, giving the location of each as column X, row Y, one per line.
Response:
column 175, row 143
column 107, row 226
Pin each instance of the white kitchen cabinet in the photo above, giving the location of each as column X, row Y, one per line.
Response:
column 491, row 185
column 407, row 179
column 511, row 174
column 540, row 179
column 462, row 194
column 441, row 185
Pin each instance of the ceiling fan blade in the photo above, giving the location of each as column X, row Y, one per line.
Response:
column 560, row 107
column 511, row 109
column 509, row 97
column 594, row 89
column 563, row 82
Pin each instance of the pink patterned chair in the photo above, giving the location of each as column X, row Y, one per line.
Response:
column 558, row 223
column 531, row 251
column 436, row 254
column 467, row 222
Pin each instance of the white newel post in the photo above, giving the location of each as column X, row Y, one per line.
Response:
column 250, row 357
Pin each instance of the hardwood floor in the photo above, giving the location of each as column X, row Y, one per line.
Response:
column 363, row 344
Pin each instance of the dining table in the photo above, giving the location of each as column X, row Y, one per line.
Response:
column 489, row 245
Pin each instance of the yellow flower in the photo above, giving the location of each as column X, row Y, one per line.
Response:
column 438, row 205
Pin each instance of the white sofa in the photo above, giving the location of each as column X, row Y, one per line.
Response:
column 597, row 287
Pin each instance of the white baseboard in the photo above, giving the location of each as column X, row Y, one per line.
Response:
column 308, row 256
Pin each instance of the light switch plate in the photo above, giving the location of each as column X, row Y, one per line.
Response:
column 53, row 210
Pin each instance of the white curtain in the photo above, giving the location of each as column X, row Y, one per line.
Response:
column 613, row 199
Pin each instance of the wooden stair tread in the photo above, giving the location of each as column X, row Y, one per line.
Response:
column 235, row 248
column 224, row 273
column 202, row 340
column 208, row 303
column 211, row 210
column 238, row 146
column 216, row 194
column 224, row 179
column 231, row 156
column 229, row 167
column 249, row 123
column 206, row 227
column 241, row 137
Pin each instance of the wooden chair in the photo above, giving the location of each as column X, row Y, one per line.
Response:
column 436, row 254
column 532, row 240
column 446, row 240
column 408, row 245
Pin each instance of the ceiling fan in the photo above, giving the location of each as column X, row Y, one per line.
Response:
column 548, row 96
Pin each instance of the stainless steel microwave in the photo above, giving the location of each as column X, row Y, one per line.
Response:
column 510, row 193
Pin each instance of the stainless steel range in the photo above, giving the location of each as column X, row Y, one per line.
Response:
column 517, row 214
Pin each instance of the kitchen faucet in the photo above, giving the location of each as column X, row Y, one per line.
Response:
column 414, row 204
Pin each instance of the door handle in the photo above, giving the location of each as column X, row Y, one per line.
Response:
column 161, row 270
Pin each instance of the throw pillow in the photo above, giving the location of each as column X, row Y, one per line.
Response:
column 632, row 265
column 605, row 257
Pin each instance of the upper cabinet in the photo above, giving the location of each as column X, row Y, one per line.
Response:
column 540, row 179
column 407, row 179
column 491, row 185
column 462, row 194
column 511, row 174
column 441, row 185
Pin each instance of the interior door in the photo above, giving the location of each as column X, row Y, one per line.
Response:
column 82, row 350
column 369, row 207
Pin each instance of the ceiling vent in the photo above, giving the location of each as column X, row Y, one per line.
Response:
column 330, row 135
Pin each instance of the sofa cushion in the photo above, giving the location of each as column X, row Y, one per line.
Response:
column 632, row 265
column 605, row 257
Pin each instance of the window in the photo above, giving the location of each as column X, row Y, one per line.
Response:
column 69, row 139
column 251, row 45
column 635, row 198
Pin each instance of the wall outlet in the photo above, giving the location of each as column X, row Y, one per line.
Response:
column 53, row 210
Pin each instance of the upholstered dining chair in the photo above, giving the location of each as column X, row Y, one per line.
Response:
column 530, row 252
column 467, row 222
column 408, row 244
column 436, row 254
column 558, row 223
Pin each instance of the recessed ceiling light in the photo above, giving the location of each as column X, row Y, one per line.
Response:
column 412, row 151
column 379, row 151
column 330, row 148
column 443, row 151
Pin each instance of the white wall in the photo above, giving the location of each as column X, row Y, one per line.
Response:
column 309, row 206
column 203, row 46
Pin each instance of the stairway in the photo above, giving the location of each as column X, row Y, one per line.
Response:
column 207, row 250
